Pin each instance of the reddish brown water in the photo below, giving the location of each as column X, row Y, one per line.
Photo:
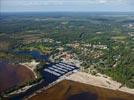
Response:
column 70, row 90
column 13, row 75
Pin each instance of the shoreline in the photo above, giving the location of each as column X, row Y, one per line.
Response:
column 100, row 81
column 32, row 66
column 31, row 70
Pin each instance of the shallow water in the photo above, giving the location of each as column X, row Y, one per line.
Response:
column 13, row 75
column 35, row 54
column 47, row 79
column 83, row 96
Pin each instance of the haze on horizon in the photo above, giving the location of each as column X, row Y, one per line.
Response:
column 66, row 5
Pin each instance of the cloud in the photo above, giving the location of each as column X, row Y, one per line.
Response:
column 58, row 2
column 84, row 5
column 103, row 1
column 110, row 1
column 72, row 2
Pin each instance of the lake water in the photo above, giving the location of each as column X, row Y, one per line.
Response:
column 50, row 73
column 48, row 77
column 35, row 54
column 13, row 75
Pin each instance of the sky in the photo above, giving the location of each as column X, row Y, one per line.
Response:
column 66, row 5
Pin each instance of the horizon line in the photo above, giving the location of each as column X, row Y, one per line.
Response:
column 66, row 11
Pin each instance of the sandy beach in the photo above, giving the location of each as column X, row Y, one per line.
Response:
column 32, row 66
column 99, row 80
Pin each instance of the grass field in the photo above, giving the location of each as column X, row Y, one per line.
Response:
column 119, row 37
